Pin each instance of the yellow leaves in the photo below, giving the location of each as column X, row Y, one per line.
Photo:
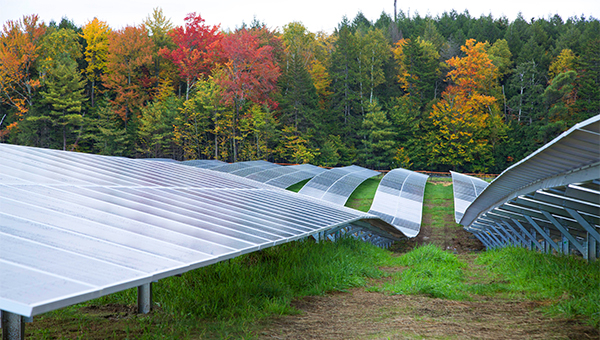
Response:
column 565, row 61
column 96, row 34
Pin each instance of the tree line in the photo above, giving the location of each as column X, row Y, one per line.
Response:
column 452, row 92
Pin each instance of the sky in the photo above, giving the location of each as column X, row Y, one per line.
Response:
column 314, row 14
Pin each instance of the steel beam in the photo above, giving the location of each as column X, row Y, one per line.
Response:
column 13, row 326
column 483, row 240
column 498, row 242
column 513, row 239
column 528, row 234
column 565, row 232
column 144, row 298
column 584, row 223
column 545, row 235
column 489, row 239
column 521, row 238
column 505, row 239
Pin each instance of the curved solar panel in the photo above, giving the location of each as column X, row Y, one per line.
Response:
column 77, row 226
column 204, row 163
column 399, row 200
column 285, row 176
column 569, row 158
column 466, row 189
column 550, row 200
column 257, row 167
column 336, row 185
column 232, row 167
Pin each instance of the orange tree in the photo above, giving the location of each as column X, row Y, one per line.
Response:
column 19, row 50
column 466, row 120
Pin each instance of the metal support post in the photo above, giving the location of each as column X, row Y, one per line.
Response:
column 513, row 239
column 585, row 224
column 495, row 238
column 521, row 238
column 490, row 243
column 566, row 233
column 483, row 240
column 505, row 239
column 545, row 235
column 592, row 248
column 533, row 242
column 13, row 326
column 144, row 300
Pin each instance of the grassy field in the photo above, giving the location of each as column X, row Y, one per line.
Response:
column 247, row 297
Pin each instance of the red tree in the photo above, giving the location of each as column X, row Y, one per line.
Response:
column 249, row 74
column 198, row 49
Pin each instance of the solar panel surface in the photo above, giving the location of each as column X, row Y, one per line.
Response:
column 399, row 200
column 76, row 226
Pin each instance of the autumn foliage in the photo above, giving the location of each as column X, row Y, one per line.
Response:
column 451, row 92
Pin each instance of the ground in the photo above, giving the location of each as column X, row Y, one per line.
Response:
column 360, row 314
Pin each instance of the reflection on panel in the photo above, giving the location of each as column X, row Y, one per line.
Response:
column 399, row 200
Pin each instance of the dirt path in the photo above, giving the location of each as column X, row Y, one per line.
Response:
column 364, row 315
column 359, row 314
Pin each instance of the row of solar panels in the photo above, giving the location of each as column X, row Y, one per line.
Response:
column 398, row 199
column 549, row 201
column 77, row 226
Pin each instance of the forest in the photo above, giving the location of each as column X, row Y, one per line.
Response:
column 452, row 92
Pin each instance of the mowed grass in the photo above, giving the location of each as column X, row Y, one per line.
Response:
column 362, row 197
column 439, row 203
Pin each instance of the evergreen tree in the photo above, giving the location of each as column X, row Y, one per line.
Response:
column 64, row 96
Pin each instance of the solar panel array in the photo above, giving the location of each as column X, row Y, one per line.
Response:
column 204, row 163
column 549, row 201
column 337, row 184
column 285, row 176
column 399, row 200
column 466, row 189
column 76, row 226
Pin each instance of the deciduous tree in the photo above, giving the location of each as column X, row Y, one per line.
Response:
column 197, row 49
column 96, row 34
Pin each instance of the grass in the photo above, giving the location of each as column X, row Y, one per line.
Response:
column 440, row 204
column 362, row 197
column 569, row 285
column 429, row 271
column 229, row 298
column 566, row 286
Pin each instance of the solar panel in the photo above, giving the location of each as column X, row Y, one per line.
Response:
column 230, row 168
column 76, row 226
column 399, row 200
column 549, row 200
column 285, row 176
column 257, row 167
column 466, row 189
column 337, row 184
column 204, row 163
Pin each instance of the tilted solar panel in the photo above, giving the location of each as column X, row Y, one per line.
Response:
column 76, row 226
column 204, row 163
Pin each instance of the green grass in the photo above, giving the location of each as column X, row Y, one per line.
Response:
column 296, row 187
column 439, row 204
column 362, row 197
column 228, row 298
column 569, row 284
column 429, row 271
